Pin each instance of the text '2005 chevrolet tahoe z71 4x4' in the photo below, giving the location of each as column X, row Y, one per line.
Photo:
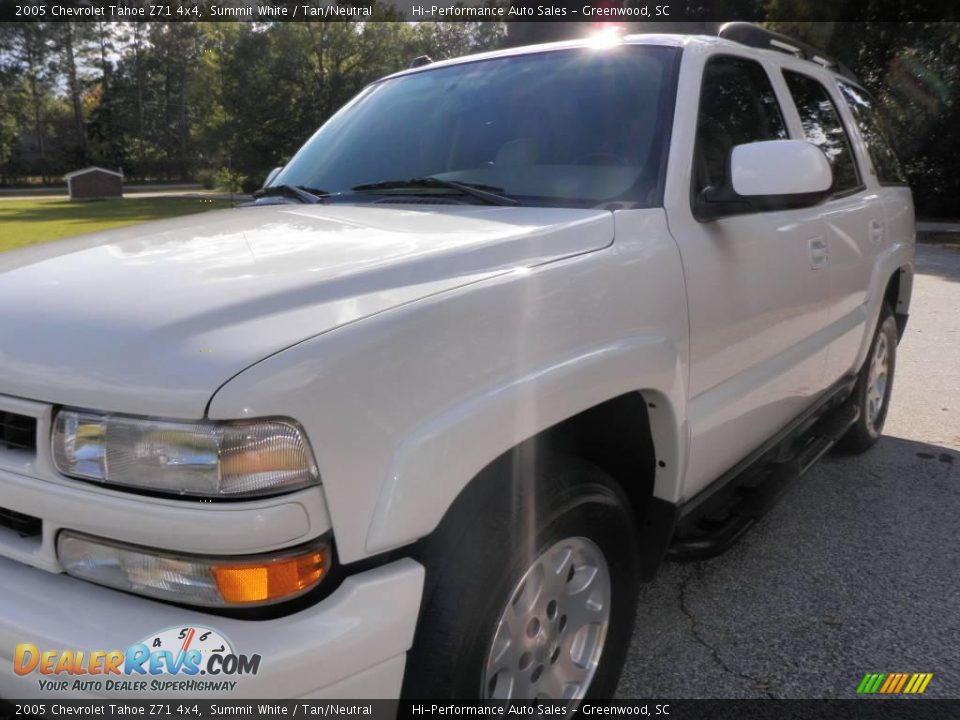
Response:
column 508, row 331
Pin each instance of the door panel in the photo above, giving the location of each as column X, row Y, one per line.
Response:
column 756, row 284
column 853, row 220
column 756, row 300
column 855, row 228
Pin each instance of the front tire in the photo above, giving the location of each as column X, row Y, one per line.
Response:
column 531, row 587
column 874, row 384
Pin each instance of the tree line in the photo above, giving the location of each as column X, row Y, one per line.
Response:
column 174, row 101
column 225, row 102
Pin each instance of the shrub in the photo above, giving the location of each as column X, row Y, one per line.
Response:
column 229, row 180
column 206, row 178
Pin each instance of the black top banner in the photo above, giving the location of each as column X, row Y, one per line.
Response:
column 667, row 12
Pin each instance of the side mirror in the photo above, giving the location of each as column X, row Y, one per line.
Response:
column 272, row 175
column 765, row 176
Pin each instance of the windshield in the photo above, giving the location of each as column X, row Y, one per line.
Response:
column 579, row 127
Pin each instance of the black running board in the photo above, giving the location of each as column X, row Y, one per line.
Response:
column 757, row 489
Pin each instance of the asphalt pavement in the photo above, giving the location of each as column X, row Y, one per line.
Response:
column 856, row 570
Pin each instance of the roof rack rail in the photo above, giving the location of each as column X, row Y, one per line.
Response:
column 755, row 36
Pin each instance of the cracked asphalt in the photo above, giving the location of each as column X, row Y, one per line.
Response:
column 856, row 570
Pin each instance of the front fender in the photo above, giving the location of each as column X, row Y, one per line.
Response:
column 404, row 408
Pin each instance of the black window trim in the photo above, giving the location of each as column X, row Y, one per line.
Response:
column 669, row 118
column 862, row 185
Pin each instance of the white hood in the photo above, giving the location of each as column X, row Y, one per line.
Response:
column 153, row 318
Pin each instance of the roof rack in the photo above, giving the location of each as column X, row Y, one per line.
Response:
column 755, row 36
column 420, row 61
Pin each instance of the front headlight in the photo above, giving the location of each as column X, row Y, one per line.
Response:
column 205, row 459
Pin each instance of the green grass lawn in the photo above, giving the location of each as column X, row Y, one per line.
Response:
column 37, row 220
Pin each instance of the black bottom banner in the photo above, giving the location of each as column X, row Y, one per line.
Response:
column 865, row 709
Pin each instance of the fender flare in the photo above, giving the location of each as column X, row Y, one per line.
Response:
column 895, row 259
column 441, row 457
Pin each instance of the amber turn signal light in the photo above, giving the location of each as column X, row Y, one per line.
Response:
column 270, row 580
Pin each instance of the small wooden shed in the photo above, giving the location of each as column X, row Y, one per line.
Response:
column 94, row 182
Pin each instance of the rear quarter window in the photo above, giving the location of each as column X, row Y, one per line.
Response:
column 871, row 127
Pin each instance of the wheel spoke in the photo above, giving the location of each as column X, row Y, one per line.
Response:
column 522, row 689
column 500, row 686
column 526, row 595
column 503, row 653
column 580, row 613
column 568, row 666
column 550, row 685
column 561, row 562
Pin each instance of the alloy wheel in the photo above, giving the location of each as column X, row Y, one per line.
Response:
column 550, row 636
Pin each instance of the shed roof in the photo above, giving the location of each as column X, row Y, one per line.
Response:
column 92, row 168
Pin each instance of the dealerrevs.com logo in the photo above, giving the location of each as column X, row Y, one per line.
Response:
column 171, row 660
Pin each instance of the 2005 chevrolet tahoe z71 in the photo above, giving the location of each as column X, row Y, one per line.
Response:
column 508, row 331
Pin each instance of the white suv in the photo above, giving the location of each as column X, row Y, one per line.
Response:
column 505, row 333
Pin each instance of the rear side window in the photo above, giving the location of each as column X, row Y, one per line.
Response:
column 870, row 125
column 737, row 106
column 822, row 126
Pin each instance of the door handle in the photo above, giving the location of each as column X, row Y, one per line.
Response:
column 819, row 255
column 876, row 231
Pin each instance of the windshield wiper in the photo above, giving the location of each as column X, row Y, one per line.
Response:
column 486, row 193
column 298, row 192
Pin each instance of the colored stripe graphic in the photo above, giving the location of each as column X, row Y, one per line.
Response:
column 870, row 683
column 894, row 683
column 903, row 680
column 918, row 683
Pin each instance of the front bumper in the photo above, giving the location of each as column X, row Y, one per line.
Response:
column 350, row 645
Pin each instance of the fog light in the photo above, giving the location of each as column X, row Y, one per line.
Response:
column 195, row 580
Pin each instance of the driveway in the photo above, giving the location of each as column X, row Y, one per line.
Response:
column 857, row 569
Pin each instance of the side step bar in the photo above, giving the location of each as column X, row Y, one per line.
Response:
column 726, row 516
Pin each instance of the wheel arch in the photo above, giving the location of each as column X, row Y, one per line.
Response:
column 620, row 437
column 635, row 435
column 897, row 294
column 615, row 435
